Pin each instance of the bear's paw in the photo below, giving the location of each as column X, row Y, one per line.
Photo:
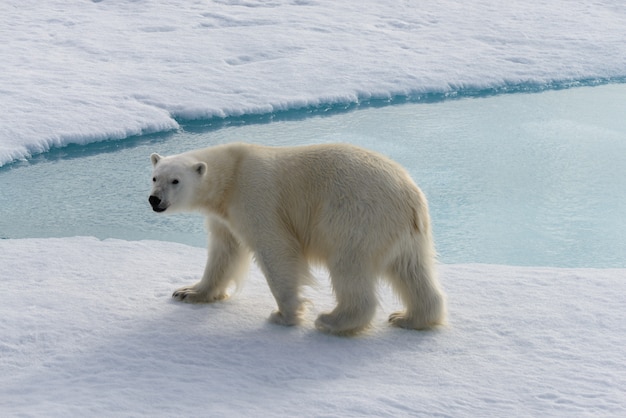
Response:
column 402, row 320
column 334, row 324
column 191, row 294
column 279, row 318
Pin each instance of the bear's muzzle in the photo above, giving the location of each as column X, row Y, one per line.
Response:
column 155, row 202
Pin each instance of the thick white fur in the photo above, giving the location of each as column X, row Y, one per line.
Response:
column 355, row 211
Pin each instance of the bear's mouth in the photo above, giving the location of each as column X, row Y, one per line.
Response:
column 158, row 209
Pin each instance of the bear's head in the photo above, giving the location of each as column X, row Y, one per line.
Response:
column 175, row 181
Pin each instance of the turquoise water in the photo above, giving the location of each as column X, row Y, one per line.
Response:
column 520, row 179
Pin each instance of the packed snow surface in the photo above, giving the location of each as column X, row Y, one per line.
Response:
column 93, row 70
column 89, row 329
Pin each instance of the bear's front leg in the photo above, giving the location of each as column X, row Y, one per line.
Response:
column 228, row 261
column 285, row 270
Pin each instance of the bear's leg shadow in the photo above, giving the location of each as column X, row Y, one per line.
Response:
column 286, row 271
column 227, row 262
column 414, row 279
column 354, row 285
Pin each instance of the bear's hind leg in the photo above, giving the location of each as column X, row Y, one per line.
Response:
column 355, row 289
column 227, row 262
column 414, row 280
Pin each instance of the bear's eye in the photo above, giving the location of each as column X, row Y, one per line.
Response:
column 174, row 181
column 153, row 179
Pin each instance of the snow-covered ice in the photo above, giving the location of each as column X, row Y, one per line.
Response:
column 89, row 71
column 88, row 329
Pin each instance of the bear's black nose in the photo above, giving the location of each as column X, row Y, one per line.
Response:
column 154, row 201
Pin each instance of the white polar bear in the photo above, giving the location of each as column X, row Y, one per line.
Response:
column 355, row 211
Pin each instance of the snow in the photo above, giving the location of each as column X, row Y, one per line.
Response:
column 91, row 71
column 88, row 328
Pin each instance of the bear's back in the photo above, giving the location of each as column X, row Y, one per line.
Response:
column 337, row 192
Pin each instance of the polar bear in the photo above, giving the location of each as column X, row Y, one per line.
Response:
column 352, row 210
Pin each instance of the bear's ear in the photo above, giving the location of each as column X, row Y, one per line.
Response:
column 200, row 168
column 155, row 158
